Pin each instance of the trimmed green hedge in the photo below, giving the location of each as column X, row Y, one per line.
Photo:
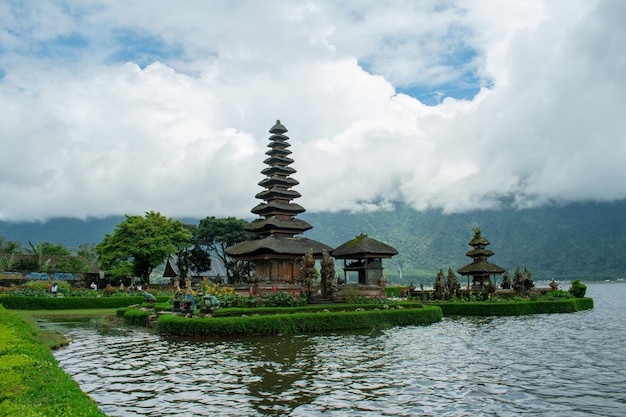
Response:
column 515, row 308
column 16, row 302
column 312, row 308
column 31, row 383
column 295, row 322
column 136, row 317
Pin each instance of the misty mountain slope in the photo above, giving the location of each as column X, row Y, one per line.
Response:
column 579, row 240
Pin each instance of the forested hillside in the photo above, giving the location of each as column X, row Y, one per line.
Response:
column 582, row 240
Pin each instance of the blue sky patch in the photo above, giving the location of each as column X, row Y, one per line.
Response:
column 70, row 46
column 143, row 48
column 433, row 96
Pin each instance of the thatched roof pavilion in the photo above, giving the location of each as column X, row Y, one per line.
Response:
column 481, row 270
column 364, row 255
column 278, row 252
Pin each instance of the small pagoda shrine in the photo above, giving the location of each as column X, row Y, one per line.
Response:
column 277, row 253
column 364, row 257
column 480, row 269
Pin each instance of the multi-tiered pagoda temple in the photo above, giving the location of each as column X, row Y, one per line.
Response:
column 480, row 269
column 278, row 252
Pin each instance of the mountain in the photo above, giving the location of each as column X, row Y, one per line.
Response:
column 66, row 231
column 579, row 240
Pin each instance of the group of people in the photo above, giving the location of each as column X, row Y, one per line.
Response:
column 94, row 286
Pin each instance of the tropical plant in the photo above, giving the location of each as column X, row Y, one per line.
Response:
column 6, row 262
column 9, row 248
column 36, row 251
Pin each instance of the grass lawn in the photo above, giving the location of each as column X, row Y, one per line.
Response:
column 31, row 383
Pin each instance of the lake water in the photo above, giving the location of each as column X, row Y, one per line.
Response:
column 556, row 365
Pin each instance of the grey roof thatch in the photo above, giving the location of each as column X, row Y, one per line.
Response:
column 217, row 268
column 481, row 268
column 363, row 246
column 479, row 252
column 478, row 240
column 297, row 246
column 278, row 207
column 293, row 225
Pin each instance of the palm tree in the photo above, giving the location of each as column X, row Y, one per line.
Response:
column 37, row 252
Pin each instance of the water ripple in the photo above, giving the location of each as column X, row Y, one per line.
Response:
column 558, row 365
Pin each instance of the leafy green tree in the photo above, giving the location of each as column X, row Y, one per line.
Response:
column 88, row 252
column 218, row 234
column 54, row 250
column 142, row 243
column 69, row 264
column 193, row 256
column 9, row 246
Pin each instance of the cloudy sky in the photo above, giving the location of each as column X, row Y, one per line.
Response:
column 121, row 107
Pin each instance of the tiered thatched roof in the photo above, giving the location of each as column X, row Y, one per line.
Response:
column 278, row 226
column 362, row 247
column 480, row 267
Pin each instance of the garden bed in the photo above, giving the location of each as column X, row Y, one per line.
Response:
column 296, row 322
column 18, row 302
column 515, row 308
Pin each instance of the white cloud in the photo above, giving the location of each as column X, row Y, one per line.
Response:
column 125, row 107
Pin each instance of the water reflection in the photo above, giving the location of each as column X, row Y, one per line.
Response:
column 569, row 365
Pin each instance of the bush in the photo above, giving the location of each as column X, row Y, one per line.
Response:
column 283, row 299
column 394, row 291
column 239, row 311
column 556, row 294
column 578, row 289
column 516, row 308
column 296, row 322
column 66, row 303
column 137, row 317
